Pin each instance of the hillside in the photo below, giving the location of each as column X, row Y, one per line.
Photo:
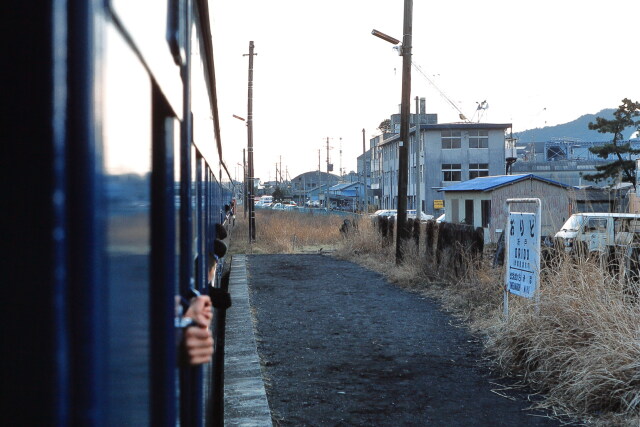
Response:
column 578, row 128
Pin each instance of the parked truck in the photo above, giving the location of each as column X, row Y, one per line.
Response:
column 612, row 238
column 603, row 233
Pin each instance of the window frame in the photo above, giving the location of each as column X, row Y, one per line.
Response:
column 479, row 138
column 451, row 171
column 451, row 139
column 477, row 170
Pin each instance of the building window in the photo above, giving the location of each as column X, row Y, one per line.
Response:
column 479, row 138
column 451, row 172
column 451, row 139
column 478, row 169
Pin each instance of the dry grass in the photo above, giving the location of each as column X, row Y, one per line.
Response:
column 286, row 232
column 581, row 348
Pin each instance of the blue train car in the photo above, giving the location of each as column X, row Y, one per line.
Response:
column 113, row 180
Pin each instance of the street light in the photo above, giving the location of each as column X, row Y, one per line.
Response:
column 403, row 152
column 385, row 37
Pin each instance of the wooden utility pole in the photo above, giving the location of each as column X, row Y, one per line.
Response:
column 319, row 178
column 403, row 161
column 417, row 150
column 364, row 173
column 251, row 177
column 326, row 190
column 244, row 181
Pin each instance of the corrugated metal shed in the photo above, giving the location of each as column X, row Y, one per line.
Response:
column 488, row 183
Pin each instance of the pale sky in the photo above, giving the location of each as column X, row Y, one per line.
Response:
column 320, row 73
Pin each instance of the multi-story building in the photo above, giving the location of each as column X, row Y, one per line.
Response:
column 446, row 154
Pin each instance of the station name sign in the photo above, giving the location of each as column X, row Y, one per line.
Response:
column 523, row 266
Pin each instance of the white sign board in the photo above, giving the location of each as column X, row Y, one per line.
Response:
column 523, row 265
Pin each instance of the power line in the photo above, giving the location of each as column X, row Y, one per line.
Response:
column 460, row 113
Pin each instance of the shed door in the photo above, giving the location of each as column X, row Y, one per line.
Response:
column 468, row 212
column 455, row 210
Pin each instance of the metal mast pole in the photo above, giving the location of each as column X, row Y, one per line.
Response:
column 252, row 216
column 403, row 161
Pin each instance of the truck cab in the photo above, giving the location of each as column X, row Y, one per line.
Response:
column 599, row 232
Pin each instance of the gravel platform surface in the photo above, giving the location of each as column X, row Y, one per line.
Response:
column 340, row 346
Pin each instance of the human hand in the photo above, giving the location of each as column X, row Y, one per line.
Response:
column 200, row 310
column 198, row 345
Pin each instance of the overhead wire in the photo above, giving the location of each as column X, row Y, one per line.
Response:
column 460, row 113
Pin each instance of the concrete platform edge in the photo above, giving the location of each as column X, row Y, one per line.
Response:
column 245, row 398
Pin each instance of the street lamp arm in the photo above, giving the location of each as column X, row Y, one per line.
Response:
column 385, row 37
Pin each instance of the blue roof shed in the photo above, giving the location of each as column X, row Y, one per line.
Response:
column 488, row 183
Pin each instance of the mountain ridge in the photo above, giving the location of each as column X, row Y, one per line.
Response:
column 578, row 128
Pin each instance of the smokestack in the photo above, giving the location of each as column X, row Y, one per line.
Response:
column 423, row 106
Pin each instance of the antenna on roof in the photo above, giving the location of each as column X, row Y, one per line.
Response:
column 480, row 109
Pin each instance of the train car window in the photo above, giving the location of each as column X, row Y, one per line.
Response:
column 126, row 126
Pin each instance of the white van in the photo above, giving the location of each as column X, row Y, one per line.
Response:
column 598, row 232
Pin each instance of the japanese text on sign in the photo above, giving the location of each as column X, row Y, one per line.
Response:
column 524, row 254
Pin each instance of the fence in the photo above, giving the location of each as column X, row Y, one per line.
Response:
column 447, row 246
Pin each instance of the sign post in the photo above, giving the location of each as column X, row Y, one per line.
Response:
column 522, row 275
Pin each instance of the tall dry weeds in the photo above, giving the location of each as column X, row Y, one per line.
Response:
column 581, row 347
column 286, row 232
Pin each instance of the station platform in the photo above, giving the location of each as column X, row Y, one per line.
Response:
column 245, row 399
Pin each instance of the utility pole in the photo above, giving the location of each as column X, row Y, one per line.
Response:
column 403, row 161
column 364, row 173
column 326, row 190
column 244, row 182
column 251, row 177
column 319, row 178
column 417, row 149
column 341, row 171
